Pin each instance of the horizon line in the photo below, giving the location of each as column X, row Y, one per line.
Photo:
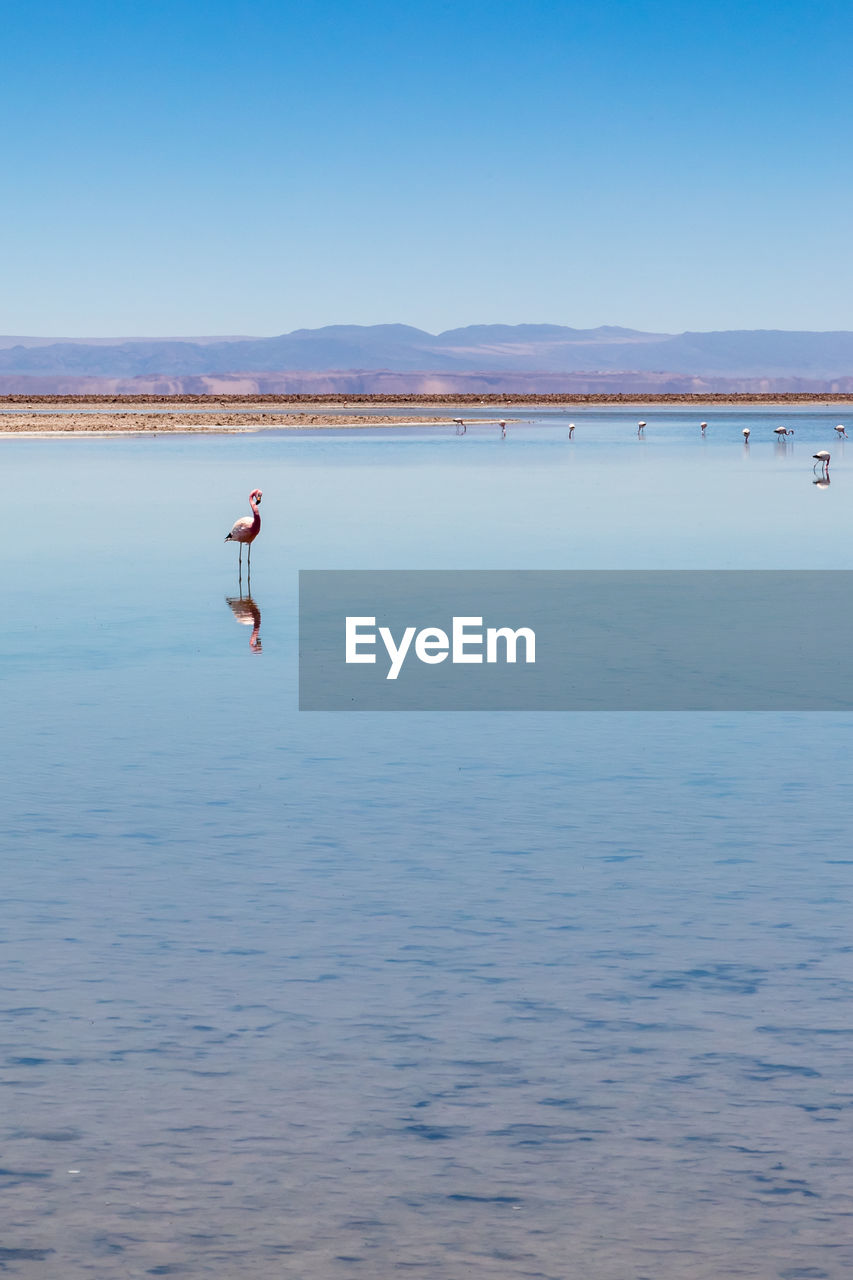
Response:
column 115, row 339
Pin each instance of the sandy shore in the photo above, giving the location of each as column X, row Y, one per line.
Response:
column 151, row 423
column 151, row 414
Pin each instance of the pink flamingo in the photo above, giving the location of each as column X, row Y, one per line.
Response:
column 247, row 528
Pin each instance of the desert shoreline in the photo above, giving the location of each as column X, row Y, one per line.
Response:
column 219, row 424
column 125, row 415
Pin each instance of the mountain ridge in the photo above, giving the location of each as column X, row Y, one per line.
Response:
column 484, row 349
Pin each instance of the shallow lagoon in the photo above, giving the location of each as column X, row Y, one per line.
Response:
column 505, row 995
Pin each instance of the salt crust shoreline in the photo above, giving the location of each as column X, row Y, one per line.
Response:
column 116, row 415
column 156, row 423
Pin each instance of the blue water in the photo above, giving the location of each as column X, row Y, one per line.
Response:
column 496, row 995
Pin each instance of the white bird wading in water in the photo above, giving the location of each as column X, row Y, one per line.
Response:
column 841, row 432
column 247, row 528
column 822, row 456
column 779, row 432
column 641, row 426
column 745, row 434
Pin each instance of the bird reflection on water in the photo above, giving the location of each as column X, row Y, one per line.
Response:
column 246, row 611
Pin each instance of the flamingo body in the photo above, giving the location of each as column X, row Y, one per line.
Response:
column 247, row 528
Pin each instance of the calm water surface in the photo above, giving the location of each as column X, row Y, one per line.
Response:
column 364, row 996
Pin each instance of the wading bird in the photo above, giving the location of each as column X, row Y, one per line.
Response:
column 247, row 528
column 745, row 434
column 641, row 426
column 840, row 432
column 503, row 429
column 703, row 425
column 822, row 456
column 779, row 432
column 571, row 429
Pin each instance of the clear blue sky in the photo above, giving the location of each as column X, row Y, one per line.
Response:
column 187, row 168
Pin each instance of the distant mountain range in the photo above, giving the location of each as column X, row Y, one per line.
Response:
column 478, row 358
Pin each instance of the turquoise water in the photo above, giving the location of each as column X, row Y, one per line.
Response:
column 504, row 995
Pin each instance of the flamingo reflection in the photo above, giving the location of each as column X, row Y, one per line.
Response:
column 247, row 613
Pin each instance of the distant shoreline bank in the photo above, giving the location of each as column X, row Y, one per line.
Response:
column 131, row 423
column 125, row 415
column 213, row 402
